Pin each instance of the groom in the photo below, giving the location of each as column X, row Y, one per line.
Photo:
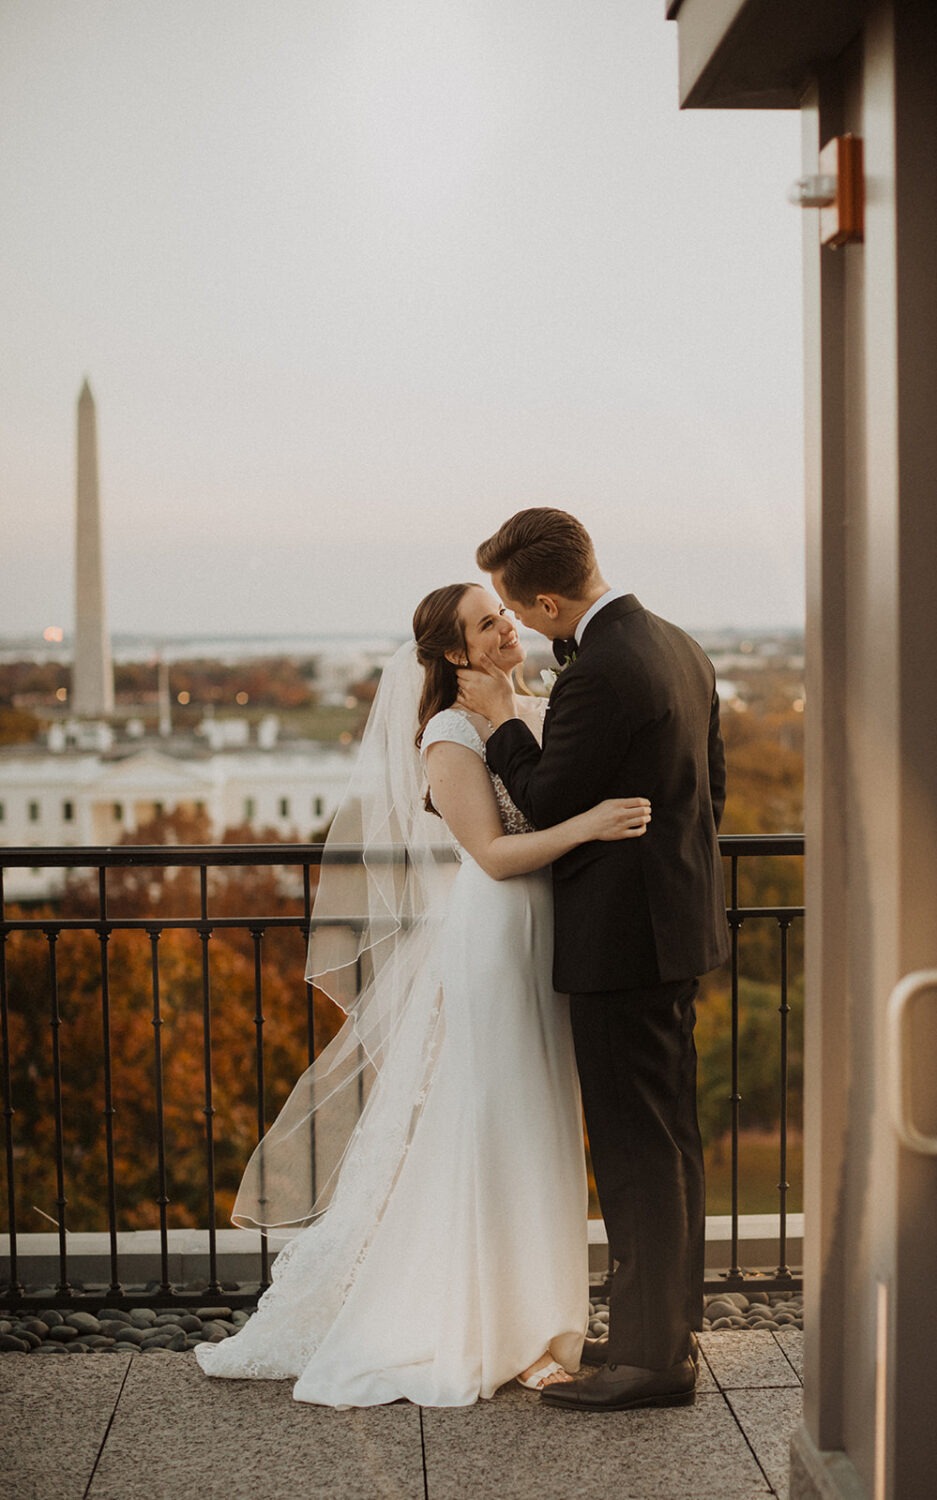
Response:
column 634, row 712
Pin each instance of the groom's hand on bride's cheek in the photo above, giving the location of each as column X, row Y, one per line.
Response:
column 474, row 689
column 487, row 691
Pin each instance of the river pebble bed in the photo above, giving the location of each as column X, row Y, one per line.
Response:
column 137, row 1330
column 729, row 1310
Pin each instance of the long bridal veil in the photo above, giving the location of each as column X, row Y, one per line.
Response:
column 374, row 949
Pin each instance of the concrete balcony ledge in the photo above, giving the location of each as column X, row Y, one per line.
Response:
column 758, row 1241
column 238, row 1251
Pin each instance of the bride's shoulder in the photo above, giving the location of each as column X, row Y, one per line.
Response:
column 454, row 726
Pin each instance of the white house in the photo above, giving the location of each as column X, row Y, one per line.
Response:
column 79, row 798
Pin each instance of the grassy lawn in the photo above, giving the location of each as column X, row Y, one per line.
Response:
column 323, row 721
column 758, row 1174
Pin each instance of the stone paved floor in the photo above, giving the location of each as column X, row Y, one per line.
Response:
column 153, row 1427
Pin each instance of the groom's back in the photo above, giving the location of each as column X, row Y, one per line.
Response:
column 651, row 908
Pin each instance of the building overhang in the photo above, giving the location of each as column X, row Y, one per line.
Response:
column 758, row 54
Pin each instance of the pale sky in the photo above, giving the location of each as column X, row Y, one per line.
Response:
column 353, row 280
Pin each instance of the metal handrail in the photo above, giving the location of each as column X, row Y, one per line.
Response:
column 306, row 857
column 119, row 856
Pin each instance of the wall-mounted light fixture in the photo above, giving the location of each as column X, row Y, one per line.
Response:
column 838, row 191
column 813, row 192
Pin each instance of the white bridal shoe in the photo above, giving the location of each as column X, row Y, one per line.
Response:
column 539, row 1378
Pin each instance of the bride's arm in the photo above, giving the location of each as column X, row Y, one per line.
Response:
column 462, row 794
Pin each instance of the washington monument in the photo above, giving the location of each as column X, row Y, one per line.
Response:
column 92, row 673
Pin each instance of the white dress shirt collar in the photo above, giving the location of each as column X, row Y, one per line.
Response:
column 593, row 609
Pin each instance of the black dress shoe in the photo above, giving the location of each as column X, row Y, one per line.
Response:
column 625, row 1388
column 595, row 1352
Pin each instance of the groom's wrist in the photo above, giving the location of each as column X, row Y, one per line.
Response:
column 508, row 714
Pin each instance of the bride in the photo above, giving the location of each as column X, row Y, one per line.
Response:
column 429, row 1165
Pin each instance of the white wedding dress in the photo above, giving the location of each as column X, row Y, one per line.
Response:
column 478, row 1261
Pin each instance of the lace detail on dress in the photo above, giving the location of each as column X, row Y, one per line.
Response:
column 313, row 1275
column 512, row 819
column 453, row 725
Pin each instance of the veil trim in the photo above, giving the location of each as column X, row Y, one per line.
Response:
column 374, row 949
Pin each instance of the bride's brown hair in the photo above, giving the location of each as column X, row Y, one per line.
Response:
column 438, row 628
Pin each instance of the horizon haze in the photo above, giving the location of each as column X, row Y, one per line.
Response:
column 352, row 284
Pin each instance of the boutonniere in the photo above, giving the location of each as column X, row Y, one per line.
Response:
column 565, row 652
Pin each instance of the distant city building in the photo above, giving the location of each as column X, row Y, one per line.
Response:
column 337, row 670
column 73, row 798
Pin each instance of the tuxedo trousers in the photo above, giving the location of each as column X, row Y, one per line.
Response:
column 637, row 1068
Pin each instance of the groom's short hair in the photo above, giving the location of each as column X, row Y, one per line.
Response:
column 540, row 551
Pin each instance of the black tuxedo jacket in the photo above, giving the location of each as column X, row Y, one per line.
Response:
column 636, row 714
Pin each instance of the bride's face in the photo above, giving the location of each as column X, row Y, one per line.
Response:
column 488, row 630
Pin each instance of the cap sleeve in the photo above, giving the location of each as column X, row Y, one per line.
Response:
column 455, row 727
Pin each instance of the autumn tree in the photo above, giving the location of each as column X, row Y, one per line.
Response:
column 172, row 958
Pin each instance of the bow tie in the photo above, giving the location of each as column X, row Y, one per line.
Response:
column 565, row 650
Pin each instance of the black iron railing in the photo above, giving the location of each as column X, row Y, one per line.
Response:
column 301, row 860
column 736, row 848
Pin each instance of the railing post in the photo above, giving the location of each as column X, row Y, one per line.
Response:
column 55, row 1022
column 784, row 1011
column 16, row 1286
column 257, row 934
column 208, row 1109
column 358, row 978
column 735, row 923
column 310, row 1027
column 109, row 1109
column 162, row 1197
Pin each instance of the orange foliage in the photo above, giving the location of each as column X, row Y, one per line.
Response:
column 158, row 895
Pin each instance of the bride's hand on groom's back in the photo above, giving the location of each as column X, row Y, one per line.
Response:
column 619, row 818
